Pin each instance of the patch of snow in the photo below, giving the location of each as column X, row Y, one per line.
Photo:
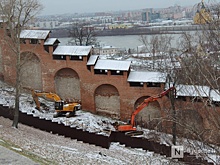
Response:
column 16, row 149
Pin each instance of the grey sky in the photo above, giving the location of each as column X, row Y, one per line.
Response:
column 81, row 6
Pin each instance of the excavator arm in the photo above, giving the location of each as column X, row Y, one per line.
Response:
column 131, row 126
column 46, row 95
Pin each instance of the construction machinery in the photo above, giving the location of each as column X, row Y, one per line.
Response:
column 131, row 126
column 61, row 107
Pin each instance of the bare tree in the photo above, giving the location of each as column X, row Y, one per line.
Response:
column 82, row 34
column 163, row 59
column 16, row 15
column 197, row 54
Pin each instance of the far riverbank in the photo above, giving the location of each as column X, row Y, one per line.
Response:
column 147, row 30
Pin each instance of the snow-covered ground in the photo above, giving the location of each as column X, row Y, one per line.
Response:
column 100, row 125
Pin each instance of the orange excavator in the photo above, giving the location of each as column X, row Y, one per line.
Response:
column 131, row 126
column 61, row 107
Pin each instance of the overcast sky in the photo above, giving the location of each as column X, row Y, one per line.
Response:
column 82, row 6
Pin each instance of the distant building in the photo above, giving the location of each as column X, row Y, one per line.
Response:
column 47, row 24
column 150, row 15
column 105, row 50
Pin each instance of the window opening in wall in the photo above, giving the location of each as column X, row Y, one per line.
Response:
column 216, row 103
column 100, row 71
column 181, row 98
column 23, row 41
column 116, row 72
column 136, row 84
column 34, row 41
column 76, row 58
column 196, row 99
column 56, row 57
column 151, row 84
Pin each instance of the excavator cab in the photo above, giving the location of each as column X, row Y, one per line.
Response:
column 59, row 105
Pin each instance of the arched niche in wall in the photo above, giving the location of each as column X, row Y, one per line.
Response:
column 107, row 101
column 189, row 120
column 149, row 116
column 30, row 71
column 67, row 84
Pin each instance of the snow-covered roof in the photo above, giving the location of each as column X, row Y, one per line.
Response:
column 51, row 41
column 192, row 90
column 112, row 65
column 137, row 76
column 72, row 50
column 215, row 95
column 34, row 34
column 92, row 59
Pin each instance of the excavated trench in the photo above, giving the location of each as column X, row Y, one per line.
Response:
column 98, row 140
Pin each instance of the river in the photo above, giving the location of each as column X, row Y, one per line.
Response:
column 127, row 41
column 124, row 42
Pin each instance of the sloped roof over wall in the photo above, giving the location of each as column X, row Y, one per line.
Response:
column 215, row 95
column 92, row 59
column 34, row 34
column 137, row 76
column 72, row 50
column 192, row 90
column 103, row 64
column 51, row 41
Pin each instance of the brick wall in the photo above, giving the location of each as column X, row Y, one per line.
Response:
column 109, row 95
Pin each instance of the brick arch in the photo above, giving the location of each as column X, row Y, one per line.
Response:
column 67, row 84
column 31, row 70
column 188, row 120
column 107, row 101
column 149, row 117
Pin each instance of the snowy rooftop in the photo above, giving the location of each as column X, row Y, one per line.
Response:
column 51, row 41
column 92, row 59
column 72, row 50
column 215, row 95
column 113, row 65
column 137, row 76
column 34, row 34
column 192, row 90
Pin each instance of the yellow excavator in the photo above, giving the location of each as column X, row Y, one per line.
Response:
column 61, row 107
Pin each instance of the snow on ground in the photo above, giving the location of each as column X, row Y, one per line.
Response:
column 101, row 125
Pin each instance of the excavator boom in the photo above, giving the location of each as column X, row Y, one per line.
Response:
column 131, row 126
column 46, row 95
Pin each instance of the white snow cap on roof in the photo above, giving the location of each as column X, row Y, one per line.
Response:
column 72, row 50
column 92, row 59
column 138, row 76
column 112, row 65
column 215, row 95
column 34, row 34
column 192, row 90
column 51, row 41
